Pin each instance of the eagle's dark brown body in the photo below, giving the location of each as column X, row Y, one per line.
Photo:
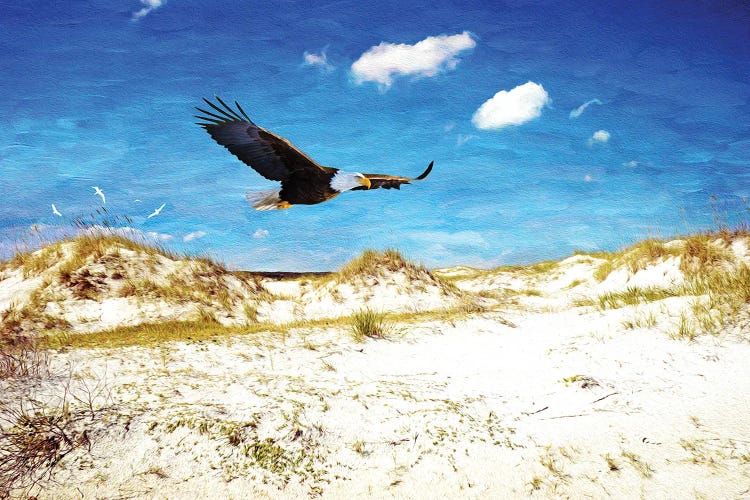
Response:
column 308, row 187
column 303, row 181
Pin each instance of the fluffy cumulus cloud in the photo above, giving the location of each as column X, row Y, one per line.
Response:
column 193, row 236
column 511, row 107
column 600, row 136
column 580, row 109
column 318, row 60
column 630, row 164
column 259, row 234
column 149, row 5
column 159, row 236
column 382, row 63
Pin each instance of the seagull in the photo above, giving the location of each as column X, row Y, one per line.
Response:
column 55, row 211
column 99, row 192
column 157, row 211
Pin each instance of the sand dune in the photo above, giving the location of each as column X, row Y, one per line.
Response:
column 607, row 375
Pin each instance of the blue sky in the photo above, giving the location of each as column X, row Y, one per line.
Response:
column 102, row 93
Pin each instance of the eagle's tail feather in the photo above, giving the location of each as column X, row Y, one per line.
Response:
column 265, row 200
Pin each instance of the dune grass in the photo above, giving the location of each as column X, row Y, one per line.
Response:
column 634, row 258
column 702, row 252
column 150, row 334
column 372, row 260
column 207, row 328
column 718, row 281
column 721, row 286
column 38, row 261
column 95, row 266
column 697, row 252
column 704, row 259
column 92, row 244
column 635, row 295
column 368, row 323
column 31, row 315
column 373, row 263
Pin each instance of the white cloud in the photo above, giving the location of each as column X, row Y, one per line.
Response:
column 511, row 107
column 588, row 178
column 194, row 235
column 580, row 109
column 448, row 239
column 599, row 136
column 127, row 232
column 319, row 60
column 149, row 6
column 259, row 234
column 159, row 236
column 630, row 164
column 463, row 139
column 426, row 58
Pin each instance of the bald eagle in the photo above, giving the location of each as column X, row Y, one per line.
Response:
column 303, row 181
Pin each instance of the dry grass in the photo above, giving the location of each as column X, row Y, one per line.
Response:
column 697, row 252
column 23, row 357
column 29, row 318
column 206, row 328
column 38, row 261
column 33, row 439
column 712, row 273
column 372, row 261
column 728, row 295
column 638, row 464
column 635, row 295
column 90, row 246
column 702, row 252
column 101, row 266
column 604, row 270
column 78, row 264
column 636, row 258
column 367, row 323
column 36, row 435
column 149, row 334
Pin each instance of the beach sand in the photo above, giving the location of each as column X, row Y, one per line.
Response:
column 537, row 393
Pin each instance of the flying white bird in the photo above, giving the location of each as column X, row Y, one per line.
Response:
column 99, row 192
column 55, row 211
column 157, row 211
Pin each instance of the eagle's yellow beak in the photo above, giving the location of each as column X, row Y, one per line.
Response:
column 365, row 182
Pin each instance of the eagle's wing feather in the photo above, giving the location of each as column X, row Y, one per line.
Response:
column 270, row 155
column 392, row 181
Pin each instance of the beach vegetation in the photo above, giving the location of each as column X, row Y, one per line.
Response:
column 372, row 261
column 368, row 323
column 638, row 464
column 612, row 464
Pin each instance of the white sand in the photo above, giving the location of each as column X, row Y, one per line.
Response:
column 569, row 402
column 476, row 409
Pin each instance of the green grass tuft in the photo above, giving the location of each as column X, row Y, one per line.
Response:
column 367, row 323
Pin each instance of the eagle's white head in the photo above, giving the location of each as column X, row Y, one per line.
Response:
column 344, row 181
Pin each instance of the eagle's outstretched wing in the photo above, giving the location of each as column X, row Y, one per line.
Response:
column 392, row 181
column 270, row 155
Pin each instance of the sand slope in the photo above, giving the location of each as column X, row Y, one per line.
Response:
column 544, row 394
